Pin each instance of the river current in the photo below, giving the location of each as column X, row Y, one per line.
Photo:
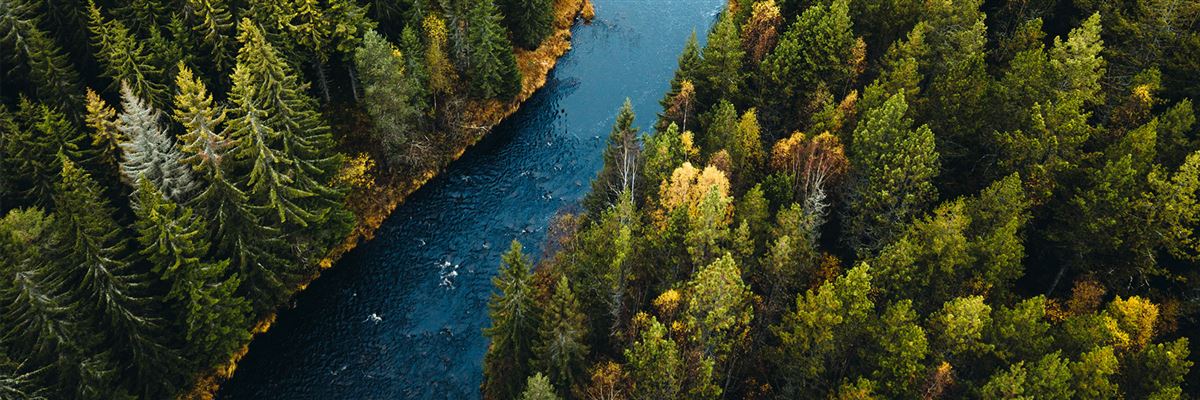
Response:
column 401, row 316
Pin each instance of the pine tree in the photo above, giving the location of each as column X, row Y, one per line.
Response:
column 514, row 327
column 173, row 240
column 37, row 322
column 491, row 66
column 149, row 152
column 813, row 50
column 688, row 70
column 821, row 332
column 101, row 283
column 894, row 168
column 561, row 351
column 530, row 21
column 719, row 312
column 387, row 96
column 125, row 59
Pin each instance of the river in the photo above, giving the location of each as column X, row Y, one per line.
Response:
column 401, row 317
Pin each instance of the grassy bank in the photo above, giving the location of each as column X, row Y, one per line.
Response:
column 373, row 203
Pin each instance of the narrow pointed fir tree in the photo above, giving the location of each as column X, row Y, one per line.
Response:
column 621, row 158
column 514, row 327
column 212, row 23
column 253, row 248
column 39, row 135
column 687, row 71
column 149, row 152
column 38, row 56
column 280, row 136
column 106, row 138
column 125, row 58
column 561, row 351
column 36, row 319
column 530, row 21
column 101, row 283
column 491, row 66
column 173, row 240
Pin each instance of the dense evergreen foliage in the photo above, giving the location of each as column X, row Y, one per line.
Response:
column 885, row 199
column 168, row 175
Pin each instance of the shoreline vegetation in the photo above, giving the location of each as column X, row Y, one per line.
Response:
column 372, row 204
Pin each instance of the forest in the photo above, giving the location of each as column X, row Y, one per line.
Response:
column 892, row 199
column 172, row 171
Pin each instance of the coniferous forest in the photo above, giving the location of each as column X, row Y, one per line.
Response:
column 892, row 199
column 171, row 171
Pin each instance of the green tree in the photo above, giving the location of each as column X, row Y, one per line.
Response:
column 538, row 387
column 212, row 23
column 36, row 137
column 173, row 240
column 514, row 327
column 491, row 66
column 561, row 351
column 38, row 56
column 902, row 347
column 688, row 70
column 530, row 21
column 721, row 65
column 820, row 333
column 101, row 283
column 814, row 49
column 126, row 59
column 892, row 180
column 280, row 137
column 621, row 158
column 655, row 366
column 387, row 96
column 719, row 312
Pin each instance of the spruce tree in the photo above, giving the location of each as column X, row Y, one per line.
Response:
column 530, row 21
column 106, row 138
column 40, row 134
column 561, row 350
column 688, row 70
column 213, row 24
column 174, row 241
column 514, row 327
column 280, row 137
column 149, row 152
column 125, row 58
column 722, row 63
column 236, row 233
column 621, row 159
column 100, row 283
column 25, row 43
column 491, row 66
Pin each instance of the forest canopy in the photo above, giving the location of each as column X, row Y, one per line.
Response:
column 884, row 199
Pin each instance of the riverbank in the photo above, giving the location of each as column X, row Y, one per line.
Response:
column 374, row 203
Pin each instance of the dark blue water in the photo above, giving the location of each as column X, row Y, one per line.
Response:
column 427, row 275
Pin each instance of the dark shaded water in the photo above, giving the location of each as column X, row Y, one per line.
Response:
column 401, row 317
